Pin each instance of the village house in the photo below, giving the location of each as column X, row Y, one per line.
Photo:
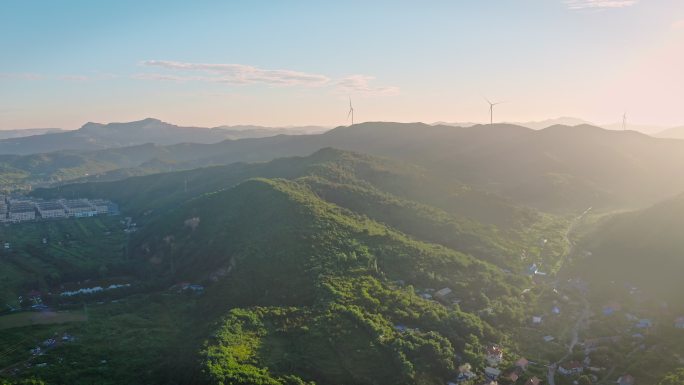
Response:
column 464, row 373
column 679, row 323
column 596, row 342
column 644, row 324
column 570, row 368
column 611, row 308
column 400, row 328
column 51, row 210
column 494, row 355
column 522, row 363
column 533, row 381
column 549, row 338
column 626, row 380
column 536, row 320
column 492, row 373
column 443, row 295
column 513, row 374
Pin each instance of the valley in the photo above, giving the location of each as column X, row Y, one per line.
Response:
column 341, row 193
column 333, row 267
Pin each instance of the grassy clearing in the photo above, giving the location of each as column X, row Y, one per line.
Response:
column 74, row 249
column 41, row 318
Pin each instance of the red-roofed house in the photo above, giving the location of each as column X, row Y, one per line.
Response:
column 494, row 355
column 626, row 380
column 533, row 381
column 512, row 376
column 522, row 363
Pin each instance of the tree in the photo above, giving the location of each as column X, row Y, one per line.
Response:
column 674, row 378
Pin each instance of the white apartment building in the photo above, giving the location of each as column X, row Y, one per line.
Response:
column 51, row 210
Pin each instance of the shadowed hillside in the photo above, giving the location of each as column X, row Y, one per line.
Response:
column 644, row 249
column 557, row 168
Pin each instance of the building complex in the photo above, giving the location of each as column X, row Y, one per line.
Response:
column 22, row 209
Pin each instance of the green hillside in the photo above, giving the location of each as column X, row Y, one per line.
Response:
column 557, row 169
column 327, row 258
column 317, row 280
column 449, row 212
column 74, row 249
column 641, row 248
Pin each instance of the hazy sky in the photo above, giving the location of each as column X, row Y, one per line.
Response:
column 209, row 63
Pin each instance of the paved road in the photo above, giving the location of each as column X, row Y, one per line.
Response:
column 584, row 316
column 581, row 321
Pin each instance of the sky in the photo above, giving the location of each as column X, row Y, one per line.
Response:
column 286, row 63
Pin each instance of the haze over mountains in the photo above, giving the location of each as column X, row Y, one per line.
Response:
column 535, row 125
column 674, row 133
column 646, row 244
column 94, row 136
column 20, row 133
column 559, row 167
column 331, row 245
column 648, row 129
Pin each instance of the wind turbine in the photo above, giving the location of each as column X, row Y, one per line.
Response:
column 491, row 110
column 351, row 112
column 624, row 121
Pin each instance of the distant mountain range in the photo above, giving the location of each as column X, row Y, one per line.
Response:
column 648, row 129
column 673, row 133
column 9, row 134
column 94, row 136
column 535, row 125
column 557, row 168
column 97, row 136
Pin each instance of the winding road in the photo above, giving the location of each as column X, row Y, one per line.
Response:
column 586, row 312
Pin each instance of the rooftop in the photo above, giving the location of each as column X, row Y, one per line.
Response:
column 50, row 206
column 22, row 207
column 76, row 204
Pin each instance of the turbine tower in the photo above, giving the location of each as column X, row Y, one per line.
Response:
column 624, row 121
column 491, row 110
column 351, row 112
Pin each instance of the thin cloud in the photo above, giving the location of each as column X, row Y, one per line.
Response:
column 241, row 74
column 74, row 78
column 20, row 76
column 362, row 84
column 244, row 74
column 598, row 4
column 166, row 77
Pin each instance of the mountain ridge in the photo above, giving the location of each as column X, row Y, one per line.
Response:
column 93, row 136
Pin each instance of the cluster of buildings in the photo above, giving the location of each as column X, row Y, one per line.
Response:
column 22, row 209
column 494, row 356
